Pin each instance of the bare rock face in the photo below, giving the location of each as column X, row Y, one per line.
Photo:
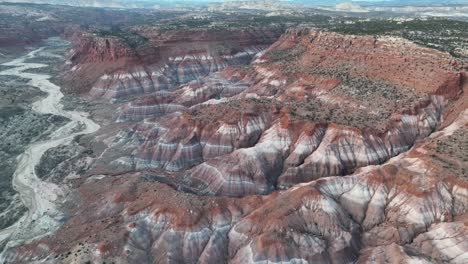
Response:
column 90, row 49
column 322, row 149
column 209, row 90
column 341, row 151
column 115, row 70
column 178, row 141
column 283, row 159
column 444, row 242
column 176, row 71
column 277, row 123
column 406, row 210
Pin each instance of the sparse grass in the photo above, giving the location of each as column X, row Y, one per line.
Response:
column 285, row 57
column 382, row 98
column 232, row 111
column 442, row 34
column 242, row 20
column 317, row 111
column 305, row 110
column 129, row 38
column 450, row 153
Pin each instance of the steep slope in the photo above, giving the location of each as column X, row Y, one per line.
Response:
column 315, row 104
column 322, row 148
column 410, row 209
column 119, row 64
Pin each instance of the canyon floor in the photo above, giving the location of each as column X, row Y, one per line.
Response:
column 206, row 137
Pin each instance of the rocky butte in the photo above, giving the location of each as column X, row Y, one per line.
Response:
column 259, row 145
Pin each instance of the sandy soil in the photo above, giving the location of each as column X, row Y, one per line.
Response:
column 41, row 197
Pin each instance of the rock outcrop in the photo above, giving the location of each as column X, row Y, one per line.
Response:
column 406, row 210
column 322, row 148
column 280, row 160
column 159, row 61
column 290, row 117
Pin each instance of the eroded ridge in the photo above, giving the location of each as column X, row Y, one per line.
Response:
column 409, row 209
column 321, row 148
column 315, row 104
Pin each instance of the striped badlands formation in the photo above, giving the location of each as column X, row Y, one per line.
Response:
column 288, row 117
column 406, row 211
column 113, row 70
column 318, row 148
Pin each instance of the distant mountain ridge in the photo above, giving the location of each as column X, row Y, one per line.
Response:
column 152, row 3
column 379, row 3
column 108, row 3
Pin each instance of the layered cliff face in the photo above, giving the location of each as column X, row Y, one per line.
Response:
column 287, row 154
column 224, row 84
column 282, row 157
column 240, row 124
column 118, row 66
column 410, row 209
column 289, row 117
column 193, row 140
column 92, row 49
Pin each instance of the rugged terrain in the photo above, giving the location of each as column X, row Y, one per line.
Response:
column 21, row 126
column 118, row 65
column 314, row 104
column 250, row 142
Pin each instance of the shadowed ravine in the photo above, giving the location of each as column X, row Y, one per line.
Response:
column 39, row 196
